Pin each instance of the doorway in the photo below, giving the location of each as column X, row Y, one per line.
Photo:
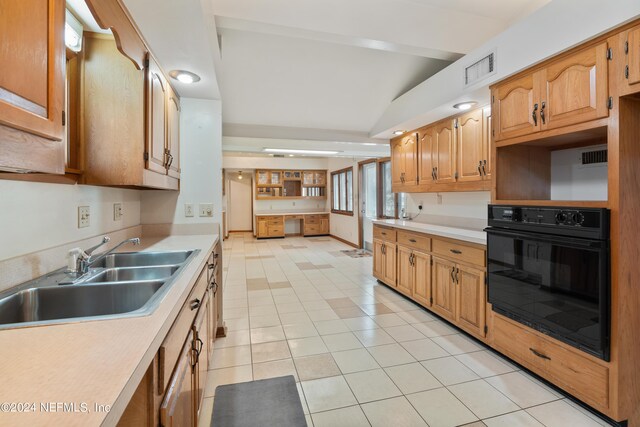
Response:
column 377, row 200
column 240, row 202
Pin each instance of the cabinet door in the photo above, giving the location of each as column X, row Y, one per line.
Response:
column 487, row 164
column 262, row 178
column 324, row 225
column 201, row 350
column 378, row 259
column 177, row 408
column 470, row 146
column 32, row 54
column 410, row 155
column 173, row 134
column 425, row 149
column 422, row 281
column 320, row 178
column 575, row 89
column 262, row 228
column 406, row 272
column 390, row 264
column 516, row 107
column 444, row 152
column 156, row 118
column 444, row 288
column 397, row 162
column 472, row 300
column 633, row 55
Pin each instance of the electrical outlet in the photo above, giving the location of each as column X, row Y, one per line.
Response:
column 206, row 209
column 83, row 216
column 117, row 211
column 439, row 198
column 188, row 210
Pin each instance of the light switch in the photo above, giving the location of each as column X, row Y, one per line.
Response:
column 188, row 210
column 206, row 209
column 117, row 211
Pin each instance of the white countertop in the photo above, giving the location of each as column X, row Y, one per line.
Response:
column 464, row 234
column 92, row 362
column 277, row 213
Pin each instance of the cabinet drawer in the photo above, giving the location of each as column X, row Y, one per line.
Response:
column 270, row 218
column 170, row 348
column 414, row 240
column 515, row 342
column 275, row 222
column 386, row 234
column 276, row 231
column 292, row 217
column 311, row 219
column 459, row 252
column 311, row 229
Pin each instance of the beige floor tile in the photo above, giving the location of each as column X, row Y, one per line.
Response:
column 457, row 344
column 307, row 418
column 440, row 408
column 328, row 393
column 270, row 351
column 273, row 369
column 391, row 355
column 436, row 328
column 349, row 312
column 485, row 364
column 388, row 320
column 230, row 356
column 301, row 347
column 561, row 414
column 264, row 321
column 206, row 412
column 340, row 302
column 396, row 412
column 483, row 400
column 263, row 310
column 424, row 349
column 416, row 316
column 522, row 390
column 351, row 416
column 514, row 419
column 303, row 399
column 374, row 337
column 237, row 324
column 300, row 330
column 404, row 333
column 235, row 313
column 317, row 366
column 449, row 370
column 271, row 333
column 328, row 327
column 318, row 315
column 340, row 342
column 235, row 374
column 375, row 309
column 412, row 378
column 236, row 303
column 290, row 307
column 372, row 385
column 354, row 361
column 294, row 318
column 234, row 339
column 361, row 323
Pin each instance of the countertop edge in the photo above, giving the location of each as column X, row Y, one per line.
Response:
column 456, row 233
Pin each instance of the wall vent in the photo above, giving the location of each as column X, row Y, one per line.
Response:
column 480, row 70
column 594, row 157
column 278, row 155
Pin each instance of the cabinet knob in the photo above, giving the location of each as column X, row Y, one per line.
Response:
column 194, row 304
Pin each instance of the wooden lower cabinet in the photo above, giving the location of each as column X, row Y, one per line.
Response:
column 177, row 409
column 471, row 301
column 414, row 274
column 444, row 288
column 378, row 259
column 384, row 261
column 406, row 272
column 270, row 226
column 315, row 225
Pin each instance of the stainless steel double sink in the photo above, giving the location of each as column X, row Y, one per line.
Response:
column 119, row 285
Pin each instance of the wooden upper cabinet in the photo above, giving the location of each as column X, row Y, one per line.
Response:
column 425, row 152
column 157, row 95
column 632, row 72
column 397, row 162
column 470, row 146
column 32, row 85
column 487, row 163
column 404, row 160
column 444, row 143
column 516, row 106
column 575, row 88
column 173, row 134
column 471, row 299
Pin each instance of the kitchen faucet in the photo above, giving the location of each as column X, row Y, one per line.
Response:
column 80, row 260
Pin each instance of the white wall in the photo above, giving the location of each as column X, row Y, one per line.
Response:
column 467, row 210
column 345, row 226
column 570, row 180
column 201, row 160
column 37, row 216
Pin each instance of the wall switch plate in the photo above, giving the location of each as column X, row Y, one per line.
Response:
column 439, row 198
column 188, row 209
column 206, row 209
column 117, row 211
column 83, row 216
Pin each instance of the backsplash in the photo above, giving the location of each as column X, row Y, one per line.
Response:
column 465, row 210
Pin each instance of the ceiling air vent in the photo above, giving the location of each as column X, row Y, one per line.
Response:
column 594, row 157
column 480, row 70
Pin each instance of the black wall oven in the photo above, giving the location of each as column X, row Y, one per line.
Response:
column 548, row 268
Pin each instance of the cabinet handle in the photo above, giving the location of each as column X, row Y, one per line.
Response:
column 170, row 161
column 484, row 167
column 542, row 112
column 480, row 167
column 540, row 355
column 534, row 115
column 435, row 170
column 412, row 240
column 455, row 251
column 453, row 279
column 211, row 266
column 457, row 278
column 193, row 304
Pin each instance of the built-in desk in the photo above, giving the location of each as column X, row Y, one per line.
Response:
column 269, row 225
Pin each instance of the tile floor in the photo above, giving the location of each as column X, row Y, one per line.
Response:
column 361, row 353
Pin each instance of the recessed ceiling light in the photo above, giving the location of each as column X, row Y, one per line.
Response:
column 465, row 105
column 184, row 76
column 398, row 132
column 290, row 155
column 291, row 151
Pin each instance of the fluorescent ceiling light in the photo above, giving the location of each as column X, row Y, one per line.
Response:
column 291, row 151
column 398, row 132
column 465, row 105
column 72, row 32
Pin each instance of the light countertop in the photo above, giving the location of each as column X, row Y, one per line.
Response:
column 98, row 362
column 464, row 234
column 277, row 213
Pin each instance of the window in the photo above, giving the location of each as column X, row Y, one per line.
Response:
column 387, row 197
column 342, row 188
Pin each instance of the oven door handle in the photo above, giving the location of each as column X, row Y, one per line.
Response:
column 547, row 238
